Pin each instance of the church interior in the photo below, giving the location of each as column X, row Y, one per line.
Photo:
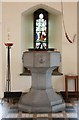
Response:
column 39, row 65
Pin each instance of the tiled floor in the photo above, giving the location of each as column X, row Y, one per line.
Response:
column 11, row 111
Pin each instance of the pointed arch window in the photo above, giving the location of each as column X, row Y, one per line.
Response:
column 40, row 29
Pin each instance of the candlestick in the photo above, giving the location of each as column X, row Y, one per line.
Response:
column 8, row 78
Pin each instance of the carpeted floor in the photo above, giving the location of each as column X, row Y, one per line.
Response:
column 71, row 113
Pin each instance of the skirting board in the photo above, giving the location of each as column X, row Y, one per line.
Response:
column 12, row 94
column 18, row 94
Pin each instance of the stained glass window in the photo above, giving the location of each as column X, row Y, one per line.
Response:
column 40, row 29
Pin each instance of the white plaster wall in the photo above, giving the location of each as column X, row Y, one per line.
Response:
column 27, row 32
column 51, row 29
column 1, row 88
column 69, row 51
column 12, row 20
column 78, row 39
column 69, row 57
